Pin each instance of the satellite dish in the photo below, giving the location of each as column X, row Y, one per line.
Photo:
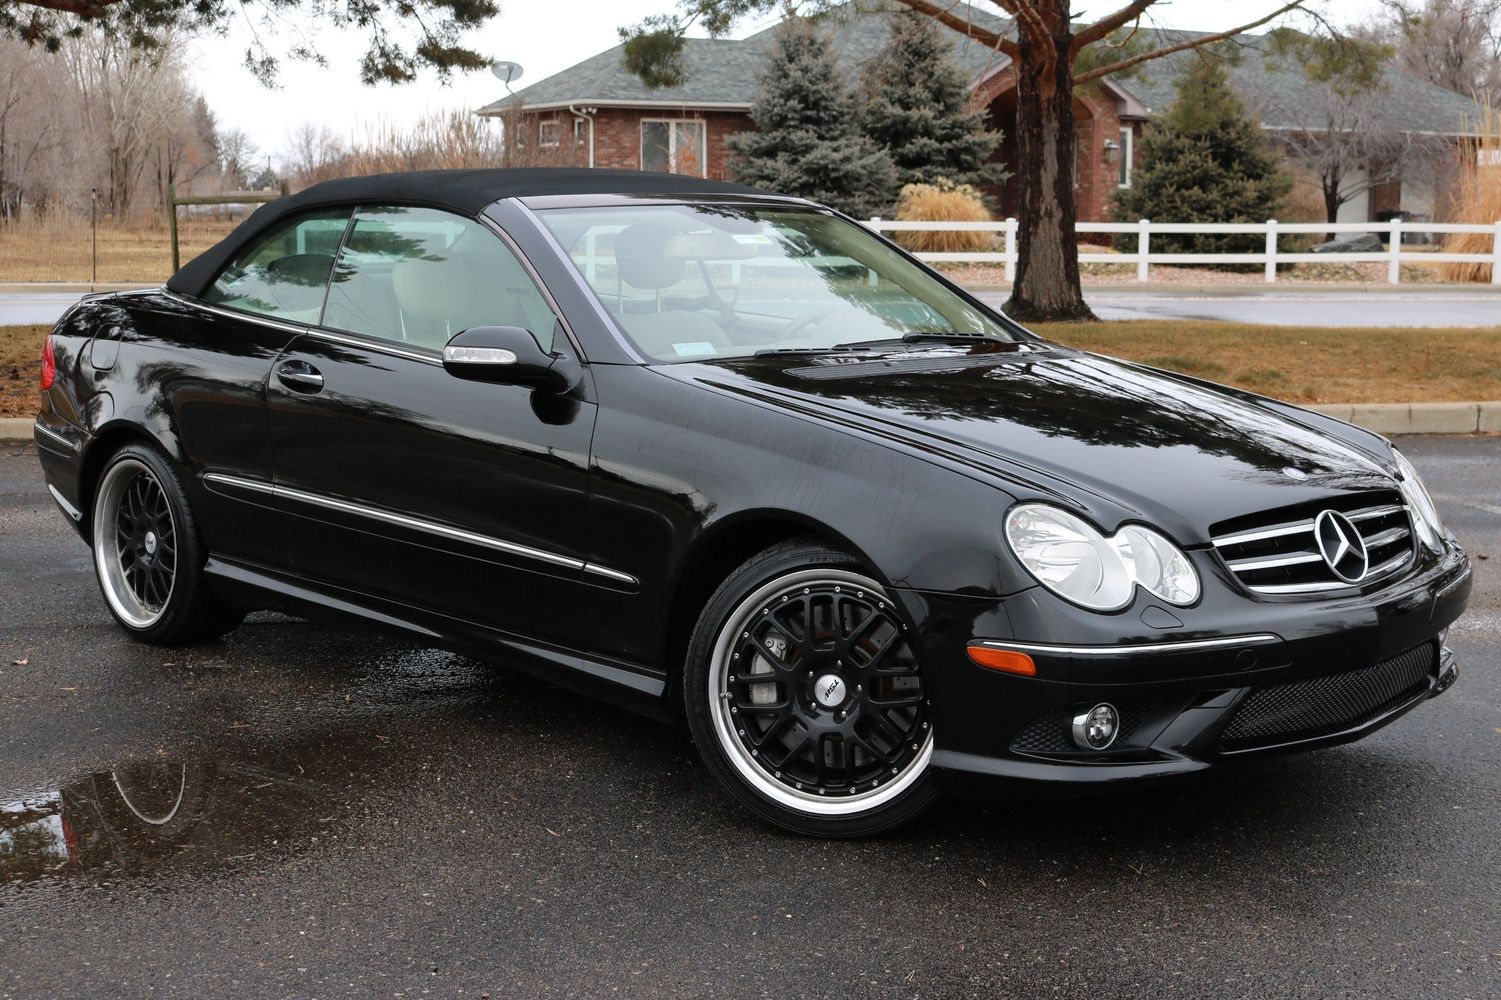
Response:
column 506, row 72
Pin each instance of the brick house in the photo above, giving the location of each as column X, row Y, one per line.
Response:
column 597, row 113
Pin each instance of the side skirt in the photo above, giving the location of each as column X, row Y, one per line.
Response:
column 629, row 686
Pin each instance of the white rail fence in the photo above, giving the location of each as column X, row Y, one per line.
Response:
column 1394, row 256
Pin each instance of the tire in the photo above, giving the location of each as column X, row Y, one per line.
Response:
column 820, row 731
column 148, row 556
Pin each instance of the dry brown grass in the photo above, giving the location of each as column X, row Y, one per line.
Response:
column 1330, row 365
column 1477, row 199
column 20, row 365
column 60, row 248
column 1301, row 365
column 943, row 202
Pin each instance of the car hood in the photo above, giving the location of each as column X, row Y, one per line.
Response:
column 1121, row 440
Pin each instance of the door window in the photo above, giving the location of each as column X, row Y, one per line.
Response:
column 419, row 276
column 284, row 273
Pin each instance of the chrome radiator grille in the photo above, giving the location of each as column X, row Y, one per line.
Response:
column 1284, row 556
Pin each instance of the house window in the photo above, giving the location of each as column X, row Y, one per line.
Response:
column 580, row 130
column 548, row 132
column 1123, row 176
column 674, row 146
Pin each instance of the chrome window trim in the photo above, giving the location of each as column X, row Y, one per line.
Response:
column 1128, row 649
column 374, row 344
column 275, row 324
column 418, row 524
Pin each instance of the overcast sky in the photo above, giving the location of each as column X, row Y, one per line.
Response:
column 545, row 36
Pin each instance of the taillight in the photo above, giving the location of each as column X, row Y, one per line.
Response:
column 49, row 364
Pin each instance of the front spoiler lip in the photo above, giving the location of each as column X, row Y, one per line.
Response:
column 958, row 772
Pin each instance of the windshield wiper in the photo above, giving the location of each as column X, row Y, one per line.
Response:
column 926, row 337
column 769, row 352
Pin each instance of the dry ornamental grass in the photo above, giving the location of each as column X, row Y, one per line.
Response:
column 1478, row 200
column 943, row 202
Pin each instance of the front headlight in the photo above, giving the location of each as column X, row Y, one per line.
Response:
column 1424, row 514
column 1073, row 560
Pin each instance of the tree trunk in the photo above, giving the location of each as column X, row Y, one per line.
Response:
column 1047, row 272
column 1330, row 182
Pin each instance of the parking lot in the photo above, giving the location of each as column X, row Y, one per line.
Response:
column 300, row 811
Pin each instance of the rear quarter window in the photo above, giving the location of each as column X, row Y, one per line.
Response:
column 284, row 273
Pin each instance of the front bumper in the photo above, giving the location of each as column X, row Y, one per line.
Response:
column 1276, row 677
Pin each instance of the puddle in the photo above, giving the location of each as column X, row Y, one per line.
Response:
column 146, row 814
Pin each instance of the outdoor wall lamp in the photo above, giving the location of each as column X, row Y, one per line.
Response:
column 1112, row 151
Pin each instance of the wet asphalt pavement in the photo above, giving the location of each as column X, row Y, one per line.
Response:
column 305, row 812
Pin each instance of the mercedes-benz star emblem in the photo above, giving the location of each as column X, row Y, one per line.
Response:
column 1341, row 546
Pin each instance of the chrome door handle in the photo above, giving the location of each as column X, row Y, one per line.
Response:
column 299, row 376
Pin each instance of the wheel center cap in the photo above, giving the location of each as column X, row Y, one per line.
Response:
column 151, row 543
column 830, row 690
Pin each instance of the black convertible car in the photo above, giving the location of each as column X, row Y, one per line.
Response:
column 731, row 457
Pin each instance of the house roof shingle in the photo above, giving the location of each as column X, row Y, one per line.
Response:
column 725, row 73
column 1283, row 97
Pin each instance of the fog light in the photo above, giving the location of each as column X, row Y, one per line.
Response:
column 1097, row 728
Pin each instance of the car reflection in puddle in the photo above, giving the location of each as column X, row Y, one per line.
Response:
column 146, row 814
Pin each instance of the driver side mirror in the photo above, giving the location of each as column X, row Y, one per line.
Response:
column 508, row 355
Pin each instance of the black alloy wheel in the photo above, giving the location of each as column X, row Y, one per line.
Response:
column 805, row 696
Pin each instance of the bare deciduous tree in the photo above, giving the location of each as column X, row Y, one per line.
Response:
column 136, row 107
column 1360, row 144
column 1453, row 43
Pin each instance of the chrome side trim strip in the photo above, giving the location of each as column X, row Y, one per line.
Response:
column 68, row 508
column 417, row 524
column 1129, row 649
column 48, row 432
column 611, row 574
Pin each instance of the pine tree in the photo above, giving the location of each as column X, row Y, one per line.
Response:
column 808, row 141
column 918, row 109
column 1204, row 161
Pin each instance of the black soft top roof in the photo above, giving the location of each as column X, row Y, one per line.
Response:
column 465, row 192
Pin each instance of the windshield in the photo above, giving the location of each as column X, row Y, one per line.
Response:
column 696, row 282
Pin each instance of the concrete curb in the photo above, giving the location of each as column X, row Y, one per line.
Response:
column 1419, row 418
column 16, row 428
column 1383, row 418
column 70, row 287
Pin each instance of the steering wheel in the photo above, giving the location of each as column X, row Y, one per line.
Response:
column 807, row 319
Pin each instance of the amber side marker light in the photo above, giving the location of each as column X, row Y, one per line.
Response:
column 1007, row 660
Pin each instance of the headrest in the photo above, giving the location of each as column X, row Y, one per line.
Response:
column 641, row 255
column 434, row 289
